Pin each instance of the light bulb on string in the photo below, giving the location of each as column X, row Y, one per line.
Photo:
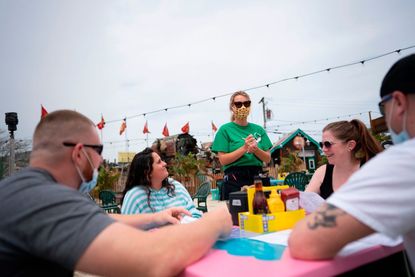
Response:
column 398, row 51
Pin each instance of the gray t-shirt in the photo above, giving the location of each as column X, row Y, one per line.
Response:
column 45, row 227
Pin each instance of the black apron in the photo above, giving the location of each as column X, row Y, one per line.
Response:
column 238, row 176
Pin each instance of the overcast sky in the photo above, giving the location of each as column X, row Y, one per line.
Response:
column 126, row 58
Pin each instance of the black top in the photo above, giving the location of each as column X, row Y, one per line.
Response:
column 326, row 188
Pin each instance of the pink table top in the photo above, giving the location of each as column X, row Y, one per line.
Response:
column 220, row 263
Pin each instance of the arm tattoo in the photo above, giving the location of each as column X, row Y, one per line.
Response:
column 325, row 217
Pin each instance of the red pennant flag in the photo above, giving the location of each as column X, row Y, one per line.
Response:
column 165, row 130
column 145, row 130
column 214, row 128
column 101, row 124
column 123, row 126
column 186, row 128
column 44, row 112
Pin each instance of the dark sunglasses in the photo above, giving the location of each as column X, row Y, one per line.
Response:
column 97, row 147
column 382, row 102
column 326, row 144
column 247, row 104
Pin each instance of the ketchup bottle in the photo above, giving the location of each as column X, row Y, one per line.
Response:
column 260, row 205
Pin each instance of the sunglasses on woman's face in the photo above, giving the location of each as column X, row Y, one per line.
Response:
column 247, row 104
column 326, row 144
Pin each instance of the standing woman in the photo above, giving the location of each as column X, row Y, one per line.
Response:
column 348, row 145
column 148, row 190
column 242, row 147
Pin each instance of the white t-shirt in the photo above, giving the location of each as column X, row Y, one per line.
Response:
column 382, row 194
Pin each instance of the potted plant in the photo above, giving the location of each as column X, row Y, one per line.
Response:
column 107, row 178
column 184, row 169
column 291, row 162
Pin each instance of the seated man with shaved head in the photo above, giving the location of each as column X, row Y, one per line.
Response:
column 49, row 228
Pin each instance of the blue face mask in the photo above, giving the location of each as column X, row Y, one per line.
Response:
column 87, row 186
column 403, row 135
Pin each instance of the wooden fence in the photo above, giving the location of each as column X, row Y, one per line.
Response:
column 194, row 183
column 191, row 184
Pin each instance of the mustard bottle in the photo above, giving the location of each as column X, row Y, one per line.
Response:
column 275, row 203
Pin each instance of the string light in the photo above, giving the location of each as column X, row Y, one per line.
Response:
column 123, row 141
column 362, row 61
column 319, row 120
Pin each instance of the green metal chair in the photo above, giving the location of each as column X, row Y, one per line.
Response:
column 108, row 201
column 298, row 180
column 202, row 178
column 220, row 185
column 201, row 196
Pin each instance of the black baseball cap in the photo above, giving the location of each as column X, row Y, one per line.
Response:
column 401, row 76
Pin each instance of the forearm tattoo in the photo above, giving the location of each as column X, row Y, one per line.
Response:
column 325, row 217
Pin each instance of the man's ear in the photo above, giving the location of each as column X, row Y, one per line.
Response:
column 76, row 153
column 401, row 103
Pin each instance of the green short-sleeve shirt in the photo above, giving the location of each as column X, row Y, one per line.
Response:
column 231, row 136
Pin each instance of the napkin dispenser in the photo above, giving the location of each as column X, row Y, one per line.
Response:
column 238, row 202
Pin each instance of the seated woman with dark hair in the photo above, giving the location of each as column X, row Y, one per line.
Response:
column 148, row 190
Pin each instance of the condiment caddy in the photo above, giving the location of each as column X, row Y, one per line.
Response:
column 283, row 204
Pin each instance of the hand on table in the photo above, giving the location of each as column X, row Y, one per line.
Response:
column 222, row 219
column 171, row 215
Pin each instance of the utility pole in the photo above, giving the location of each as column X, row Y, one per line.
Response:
column 147, row 139
column 12, row 160
column 127, row 143
column 263, row 111
column 371, row 123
